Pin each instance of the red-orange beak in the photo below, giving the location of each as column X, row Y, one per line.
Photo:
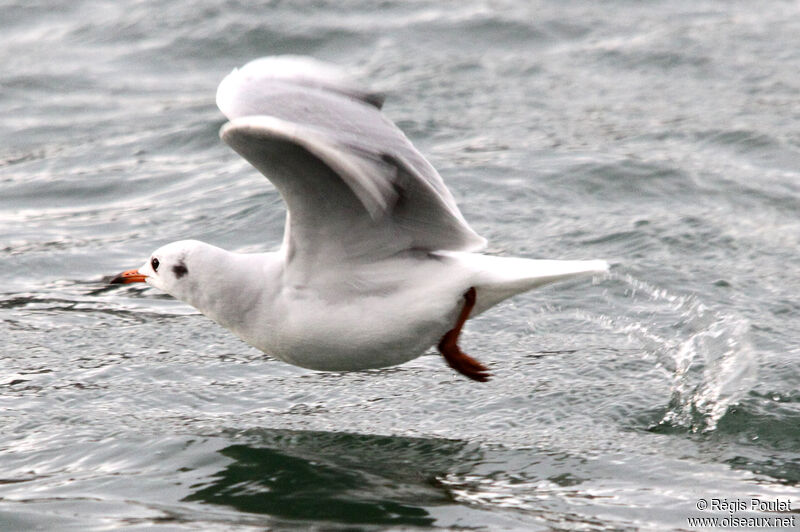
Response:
column 129, row 276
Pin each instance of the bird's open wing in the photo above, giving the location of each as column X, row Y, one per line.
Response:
column 354, row 185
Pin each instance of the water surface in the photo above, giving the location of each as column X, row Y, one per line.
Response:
column 663, row 138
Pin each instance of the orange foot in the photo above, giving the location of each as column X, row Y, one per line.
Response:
column 455, row 357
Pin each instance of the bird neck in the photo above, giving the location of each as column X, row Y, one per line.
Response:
column 235, row 288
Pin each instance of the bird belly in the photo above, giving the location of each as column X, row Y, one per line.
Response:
column 375, row 332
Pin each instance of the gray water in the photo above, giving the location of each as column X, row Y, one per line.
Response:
column 663, row 137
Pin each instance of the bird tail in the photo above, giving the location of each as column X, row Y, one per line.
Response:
column 498, row 278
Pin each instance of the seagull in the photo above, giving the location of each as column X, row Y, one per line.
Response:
column 377, row 263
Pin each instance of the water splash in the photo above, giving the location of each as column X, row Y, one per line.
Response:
column 708, row 354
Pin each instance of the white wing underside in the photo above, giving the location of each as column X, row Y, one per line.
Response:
column 356, row 189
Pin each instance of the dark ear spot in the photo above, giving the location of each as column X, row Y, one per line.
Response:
column 180, row 270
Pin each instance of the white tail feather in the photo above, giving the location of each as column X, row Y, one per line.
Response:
column 498, row 278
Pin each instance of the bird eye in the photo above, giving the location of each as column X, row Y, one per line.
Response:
column 154, row 264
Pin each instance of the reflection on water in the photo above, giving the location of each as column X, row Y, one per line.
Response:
column 345, row 478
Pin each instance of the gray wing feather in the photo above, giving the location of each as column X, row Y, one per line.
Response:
column 338, row 163
column 242, row 92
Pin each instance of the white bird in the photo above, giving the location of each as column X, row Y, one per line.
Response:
column 377, row 263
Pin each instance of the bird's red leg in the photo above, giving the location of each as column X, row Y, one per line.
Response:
column 448, row 345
